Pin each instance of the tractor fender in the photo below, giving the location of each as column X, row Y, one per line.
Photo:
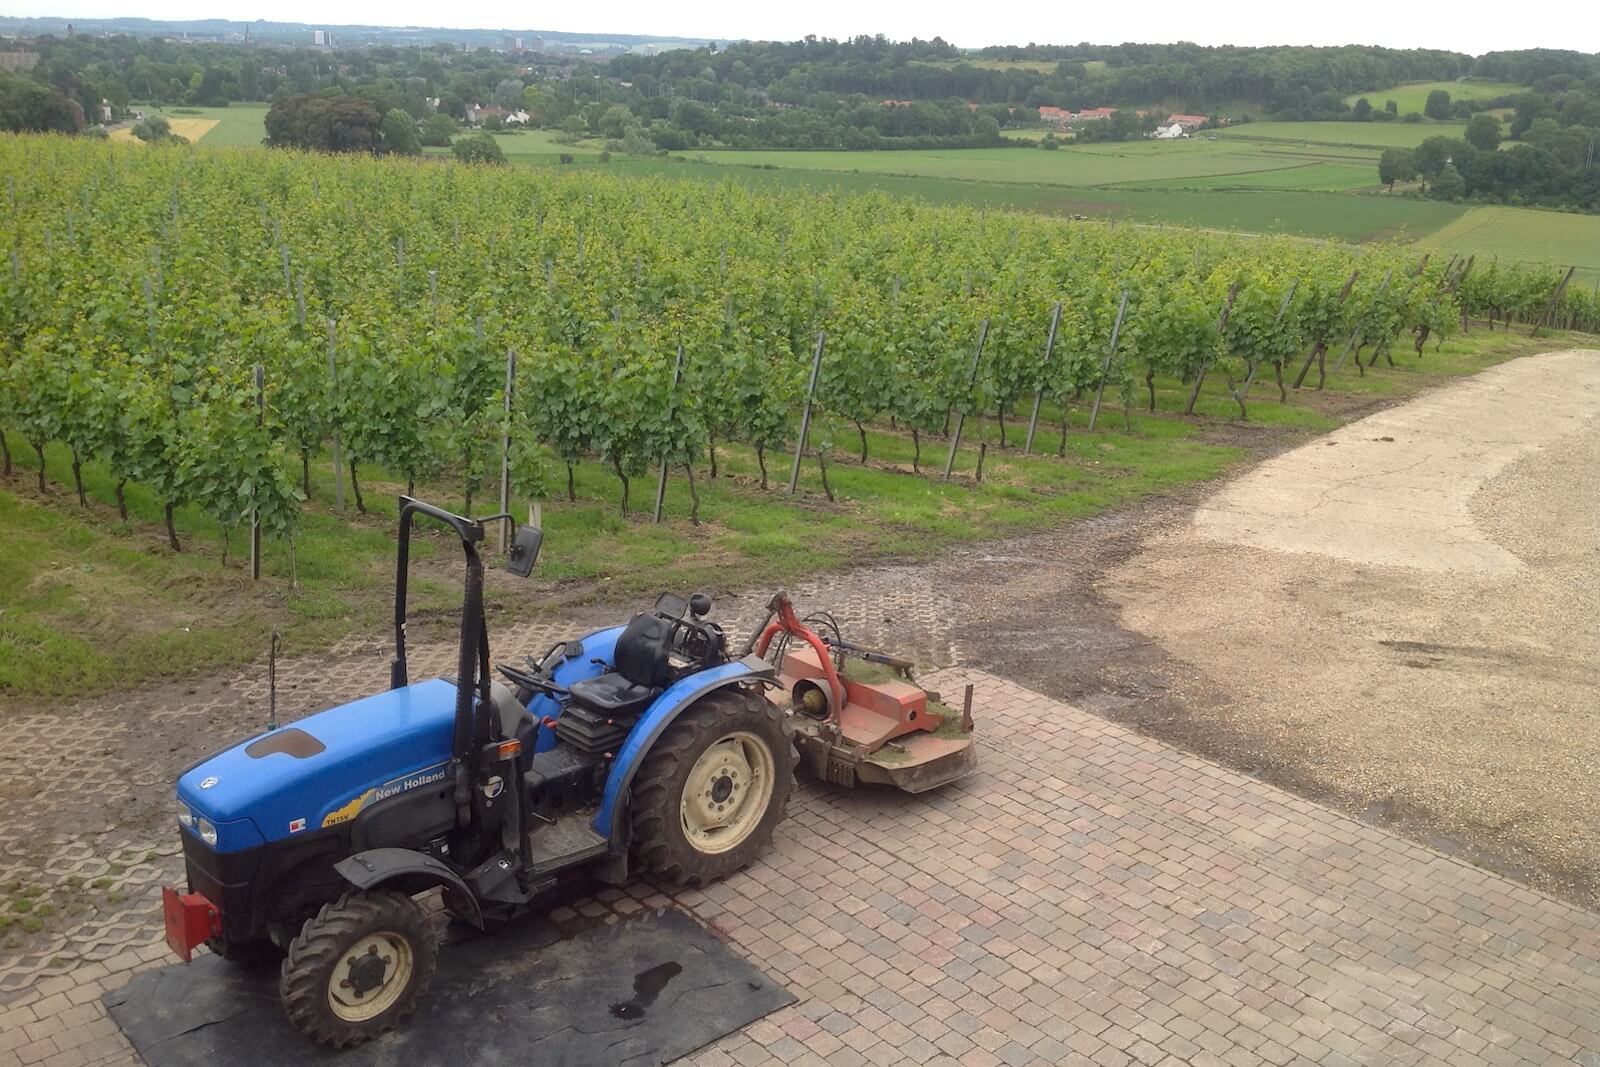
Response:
column 667, row 707
column 408, row 871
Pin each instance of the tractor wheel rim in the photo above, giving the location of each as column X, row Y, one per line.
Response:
column 370, row 976
column 727, row 793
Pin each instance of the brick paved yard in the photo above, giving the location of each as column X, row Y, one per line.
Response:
column 1089, row 897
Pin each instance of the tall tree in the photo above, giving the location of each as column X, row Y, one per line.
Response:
column 1449, row 185
column 1483, row 132
column 1396, row 165
column 398, row 134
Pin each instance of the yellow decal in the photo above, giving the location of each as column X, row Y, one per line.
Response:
column 346, row 813
column 393, row 787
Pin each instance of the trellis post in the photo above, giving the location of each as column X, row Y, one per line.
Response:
column 333, row 399
column 1222, row 326
column 961, row 416
column 1038, row 394
column 255, row 514
column 661, row 483
column 1111, row 354
column 1357, row 331
column 505, row 449
column 805, row 414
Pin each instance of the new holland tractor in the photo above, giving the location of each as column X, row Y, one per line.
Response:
column 647, row 747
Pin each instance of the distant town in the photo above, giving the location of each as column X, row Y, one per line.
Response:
column 331, row 37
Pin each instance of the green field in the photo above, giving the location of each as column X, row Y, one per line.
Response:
column 1373, row 135
column 1526, row 235
column 241, row 124
column 1414, row 95
column 1087, row 166
column 535, row 146
column 1044, row 66
column 1078, row 166
column 1282, row 210
column 1318, row 177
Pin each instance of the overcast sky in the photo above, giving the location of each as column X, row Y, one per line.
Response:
column 1464, row 27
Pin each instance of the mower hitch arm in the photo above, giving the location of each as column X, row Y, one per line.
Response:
column 788, row 622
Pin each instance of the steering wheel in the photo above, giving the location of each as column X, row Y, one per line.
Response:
column 528, row 680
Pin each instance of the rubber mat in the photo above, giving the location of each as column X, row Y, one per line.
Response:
column 644, row 991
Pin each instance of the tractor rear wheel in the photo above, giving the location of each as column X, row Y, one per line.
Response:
column 713, row 787
column 358, row 967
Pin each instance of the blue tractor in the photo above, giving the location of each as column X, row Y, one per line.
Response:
column 644, row 747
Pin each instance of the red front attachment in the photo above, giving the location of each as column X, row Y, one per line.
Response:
column 788, row 622
column 190, row 919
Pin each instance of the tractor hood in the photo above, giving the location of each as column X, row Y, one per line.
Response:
column 322, row 770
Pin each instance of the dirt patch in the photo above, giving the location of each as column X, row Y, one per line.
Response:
column 1407, row 630
column 1393, row 488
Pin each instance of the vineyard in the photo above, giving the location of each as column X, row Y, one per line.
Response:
column 207, row 324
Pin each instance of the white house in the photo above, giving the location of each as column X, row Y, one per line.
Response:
column 477, row 113
column 1169, row 133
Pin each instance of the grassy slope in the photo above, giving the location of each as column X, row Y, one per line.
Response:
column 1526, row 234
column 984, row 63
column 84, row 598
column 1317, row 177
column 1375, row 135
column 1414, row 95
column 1354, row 218
column 241, row 124
column 1076, row 165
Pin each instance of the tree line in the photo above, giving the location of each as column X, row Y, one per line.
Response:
column 816, row 93
column 1553, row 160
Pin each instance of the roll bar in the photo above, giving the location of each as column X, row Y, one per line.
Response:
column 472, row 719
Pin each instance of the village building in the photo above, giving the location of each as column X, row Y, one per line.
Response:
column 478, row 114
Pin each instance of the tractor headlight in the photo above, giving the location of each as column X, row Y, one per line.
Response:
column 185, row 817
column 208, row 832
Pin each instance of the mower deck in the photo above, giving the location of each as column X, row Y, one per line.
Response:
column 889, row 732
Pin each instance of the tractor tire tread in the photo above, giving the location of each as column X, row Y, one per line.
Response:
column 656, row 789
column 302, row 983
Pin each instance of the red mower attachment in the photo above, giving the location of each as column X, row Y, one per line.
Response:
column 858, row 714
column 191, row 920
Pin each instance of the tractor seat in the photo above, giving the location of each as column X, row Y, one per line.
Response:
column 640, row 673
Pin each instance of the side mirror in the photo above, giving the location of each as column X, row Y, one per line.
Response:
column 524, row 550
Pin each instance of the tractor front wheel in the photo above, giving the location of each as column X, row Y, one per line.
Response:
column 710, row 792
column 358, row 967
